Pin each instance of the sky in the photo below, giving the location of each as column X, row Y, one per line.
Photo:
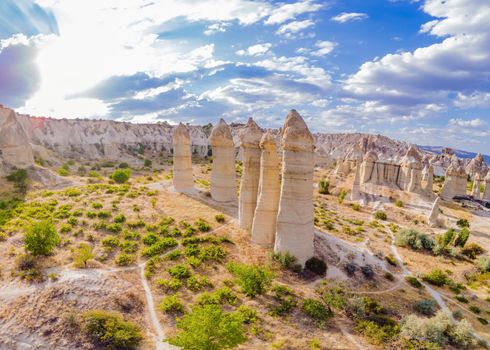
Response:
column 413, row 70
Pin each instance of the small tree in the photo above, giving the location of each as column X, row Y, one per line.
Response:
column 20, row 178
column 41, row 238
column 121, row 175
column 148, row 163
column 323, row 186
column 82, row 255
column 254, row 280
column 208, row 327
column 447, row 238
column 462, row 237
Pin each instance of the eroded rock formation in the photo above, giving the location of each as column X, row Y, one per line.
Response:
column 355, row 193
column 434, row 213
column 486, row 192
column 249, row 143
column 183, row 179
column 455, row 183
column 265, row 218
column 475, row 190
column 477, row 166
column 411, row 171
column 295, row 229
column 429, row 179
column 223, row 176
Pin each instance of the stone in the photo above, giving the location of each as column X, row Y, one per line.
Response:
column 486, row 192
column 183, row 179
column 429, row 179
column 355, row 193
column 475, row 190
column 295, row 228
column 368, row 166
column 223, row 174
column 265, row 218
column 411, row 180
column 250, row 137
column 434, row 213
column 15, row 149
column 477, row 166
column 455, row 183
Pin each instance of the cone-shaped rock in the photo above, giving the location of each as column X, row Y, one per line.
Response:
column 434, row 213
column 368, row 166
column 475, row 191
column 295, row 230
column 249, row 143
column 182, row 179
column 430, row 179
column 455, row 183
column 265, row 219
column 486, row 192
column 223, row 178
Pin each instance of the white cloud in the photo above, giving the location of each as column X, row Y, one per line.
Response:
column 349, row 16
column 473, row 100
column 468, row 123
column 290, row 11
column 216, row 28
column 324, row 48
column 255, row 50
column 294, row 27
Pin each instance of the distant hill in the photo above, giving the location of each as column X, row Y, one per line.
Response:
column 459, row 153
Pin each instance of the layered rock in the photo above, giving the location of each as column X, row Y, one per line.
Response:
column 250, row 137
column 295, row 229
column 455, row 183
column 183, row 179
column 434, row 213
column 15, row 149
column 265, row 218
column 223, row 175
column 353, row 157
column 486, row 192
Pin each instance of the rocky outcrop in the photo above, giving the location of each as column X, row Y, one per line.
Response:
column 434, row 213
column 477, row 182
column 223, row 176
column 265, row 218
column 295, row 230
column 353, row 157
column 477, row 166
column 368, row 167
column 250, row 137
column 429, row 175
column 411, row 171
column 183, row 179
column 486, row 192
column 15, row 149
column 355, row 193
column 455, row 183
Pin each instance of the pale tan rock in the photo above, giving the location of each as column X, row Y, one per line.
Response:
column 486, row 192
column 295, row 229
column 355, row 193
column 455, row 183
column 477, row 166
column 265, row 218
column 411, row 180
column 475, row 190
column 250, row 137
column 183, row 179
column 429, row 179
column 368, row 166
column 223, row 175
column 434, row 213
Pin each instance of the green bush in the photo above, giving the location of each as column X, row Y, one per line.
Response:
column 463, row 223
column 20, row 178
column 119, row 218
column 414, row 240
column 462, row 237
column 323, row 186
column 41, row 238
column 436, row 277
column 173, row 284
column 208, row 327
column 287, row 261
column 150, row 239
column 380, row 215
column 219, row 218
column 425, row 307
column 124, row 259
column 391, row 260
column 196, row 283
column 147, row 163
column 447, row 238
column 316, row 310
column 160, row 247
column 413, row 281
column 398, row 203
column 472, row 250
column 484, row 264
column 253, row 280
column 109, row 329
column 82, row 254
column 285, row 298
column 316, row 265
column 202, row 225
column 121, row 175
column 179, row 271
column 171, row 304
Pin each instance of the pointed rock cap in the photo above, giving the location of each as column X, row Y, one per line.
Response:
column 181, row 135
column 250, row 135
column 370, row 157
column 451, row 170
column 295, row 135
column 221, row 135
column 412, row 157
column 268, row 141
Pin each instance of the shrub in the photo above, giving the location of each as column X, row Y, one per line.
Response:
column 484, row 264
column 202, row 225
column 462, row 237
column 323, row 186
column 391, row 260
column 286, row 260
column 474, row 309
column 196, row 283
column 173, row 284
column 110, row 330
column 119, row 218
column 425, row 307
column 447, row 238
column 461, row 299
column 398, row 203
column 342, row 196
column 367, row 271
column 208, row 327
column 124, row 259
column 286, row 300
column 179, row 271
column 82, row 255
column 472, row 250
column 253, row 280
column 414, row 240
column 436, row 277
column 160, row 247
column 356, row 206
column 29, row 270
column 123, row 166
column 380, row 215
column 378, row 333
column 147, row 163
column 20, row 178
column 219, row 218
column 41, row 238
column 316, row 310
column 463, row 223
column 413, row 281
column 121, row 175
column 150, row 239
column 171, row 304
column 97, row 205
column 317, row 266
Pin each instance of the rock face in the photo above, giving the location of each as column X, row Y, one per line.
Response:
column 429, row 179
column 486, row 192
column 355, row 193
column 183, row 179
column 475, row 190
column 434, row 213
column 265, row 218
column 249, row 144
column 455, row 183
column 411, row 171
column 353, row 157
column 295, row 230
column 477, row 166
column 223, row 178
column 15, row 149
column 368, row 166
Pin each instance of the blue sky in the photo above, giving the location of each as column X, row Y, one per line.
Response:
column 412, row 70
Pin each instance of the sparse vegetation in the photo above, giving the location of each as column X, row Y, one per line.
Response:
column 41, row 238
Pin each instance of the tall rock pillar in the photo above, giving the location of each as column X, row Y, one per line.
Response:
column 265, row 219
column 295, row 229
column 486, row 192
column 430, row 179
column 355, row 194
column 223, row 176
column 475, row 191
column 249, row 142
column 434, row 213
column 182, row 179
